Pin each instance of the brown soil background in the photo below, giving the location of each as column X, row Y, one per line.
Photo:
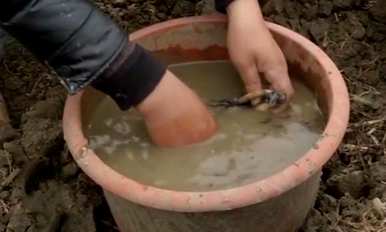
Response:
column 41, row 188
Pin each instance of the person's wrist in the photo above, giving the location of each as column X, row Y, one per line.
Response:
column 235, row 5
column 155, row 99
column 245, row 17
column 168, row 99
column 161, row 102
column 174, row 114
column 245, row 10
column 131, row 76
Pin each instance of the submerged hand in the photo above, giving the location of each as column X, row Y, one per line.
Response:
column 253, row 50
column 174, row 114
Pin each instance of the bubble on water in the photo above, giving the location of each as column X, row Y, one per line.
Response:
column 144, row 144
column 145, row 154
column 309, row 104
column 110, row 149
column 297, row 109
column 122, row 128
column 250, row 136
column 109, row 122
column 214, row 166
column 99, row 140
column 160, row 182
column 135, row 139
column 130, row 155
column 220, row 136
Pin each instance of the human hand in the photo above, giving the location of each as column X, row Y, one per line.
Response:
column 253, row 50
column 174, row 114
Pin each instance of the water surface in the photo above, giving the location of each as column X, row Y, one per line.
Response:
column 249, row 145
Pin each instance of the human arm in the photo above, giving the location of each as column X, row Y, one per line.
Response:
column 86, row 48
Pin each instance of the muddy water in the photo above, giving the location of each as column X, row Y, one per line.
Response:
column 249, row 145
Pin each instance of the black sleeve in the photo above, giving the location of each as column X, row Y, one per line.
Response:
column 83, row 46
column 221, row 5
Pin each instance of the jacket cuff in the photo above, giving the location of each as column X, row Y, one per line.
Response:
column 131, row 77
column 221, row 5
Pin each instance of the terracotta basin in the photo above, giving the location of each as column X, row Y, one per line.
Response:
column 278, row 203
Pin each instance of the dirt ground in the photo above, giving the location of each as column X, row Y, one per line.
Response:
column 41, row 189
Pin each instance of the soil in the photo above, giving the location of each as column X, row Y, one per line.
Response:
column 41, row 189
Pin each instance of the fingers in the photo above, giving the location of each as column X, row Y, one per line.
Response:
column 263, row 107
column 276, row 73
column 253, row 97
column 265, row 100
column 250, row 76
column 280, row 81
column 271, row 100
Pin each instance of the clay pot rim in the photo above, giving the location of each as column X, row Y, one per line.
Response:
column 262, row 190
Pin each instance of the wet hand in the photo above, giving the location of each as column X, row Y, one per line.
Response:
column 253, row 50
column 174, row 114
column 264, row 100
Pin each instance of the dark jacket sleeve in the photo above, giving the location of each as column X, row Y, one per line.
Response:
column 221, row 5
column 83, row 46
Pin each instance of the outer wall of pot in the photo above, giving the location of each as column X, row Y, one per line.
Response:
column 285, row 213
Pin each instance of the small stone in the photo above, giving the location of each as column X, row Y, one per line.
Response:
column 5, row 159
column 70, row 170
column 7, row 133
column 359, row 33
column 318, row 29
column 352, row 183
column 327, row 201
column 183, row 7
column 273, row 7
column 378, row 11
column 206, row 6
column 325, row 8
column 161, row 15
column 119, row 3
column 4, row 194
column 16, row 150
column 51, row 108
column 343, row 4
column 379, row 206
column 19, row 221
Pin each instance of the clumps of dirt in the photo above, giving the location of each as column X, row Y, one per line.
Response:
column 352, row 32
column 41, row 128
column 135, row 14
column 24, row 81
column 40, row 186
